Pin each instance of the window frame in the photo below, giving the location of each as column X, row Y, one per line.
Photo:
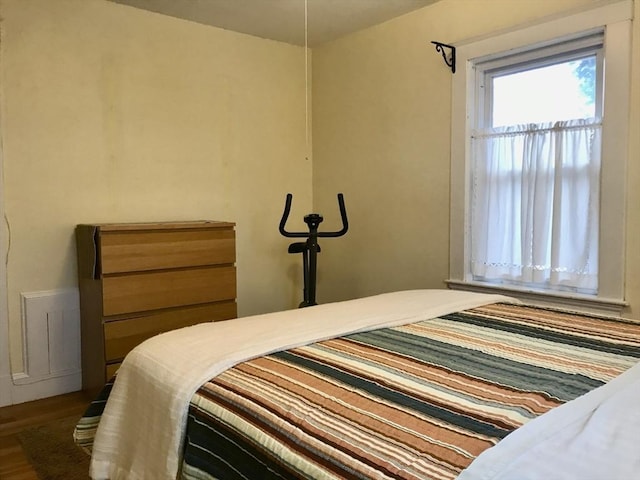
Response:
column 591, row 44
column 615, row 21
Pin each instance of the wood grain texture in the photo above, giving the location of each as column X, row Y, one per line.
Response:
column 136, row 251
column 123, row 335
column 166, row 289
column 14, row 464
column 138, row 280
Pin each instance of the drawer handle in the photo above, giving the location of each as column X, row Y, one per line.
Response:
column 97, row 267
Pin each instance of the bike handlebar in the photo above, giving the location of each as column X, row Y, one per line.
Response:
column 287, row 210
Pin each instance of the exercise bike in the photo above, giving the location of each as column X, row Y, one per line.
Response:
column 310, row 247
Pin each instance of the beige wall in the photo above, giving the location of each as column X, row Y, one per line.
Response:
column 382, row 115
column 111, row 113
column 632, row 270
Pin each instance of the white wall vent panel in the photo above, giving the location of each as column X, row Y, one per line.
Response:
column 51, row 343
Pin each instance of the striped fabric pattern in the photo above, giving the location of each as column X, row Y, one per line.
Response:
column 85, row 430
column 419, row 401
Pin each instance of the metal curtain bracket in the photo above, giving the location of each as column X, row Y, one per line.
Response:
column 449, row 60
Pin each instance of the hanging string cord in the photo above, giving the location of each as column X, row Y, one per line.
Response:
column 306, row 78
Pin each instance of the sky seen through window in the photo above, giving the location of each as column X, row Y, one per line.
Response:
column 563, row 91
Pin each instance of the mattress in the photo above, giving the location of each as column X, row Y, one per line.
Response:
column 417, row 400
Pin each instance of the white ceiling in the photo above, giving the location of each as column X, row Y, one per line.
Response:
column 284, row 20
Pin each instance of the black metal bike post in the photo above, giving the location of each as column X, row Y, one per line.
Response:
column 305, row 277
column 313, row 221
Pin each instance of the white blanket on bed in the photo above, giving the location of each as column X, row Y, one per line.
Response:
column 594, row 437
column 140, row 434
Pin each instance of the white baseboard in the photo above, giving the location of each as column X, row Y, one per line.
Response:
column 24, row 388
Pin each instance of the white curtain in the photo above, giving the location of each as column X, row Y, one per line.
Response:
column 535, row 204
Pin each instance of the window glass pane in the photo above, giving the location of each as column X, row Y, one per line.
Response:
column 563, row 91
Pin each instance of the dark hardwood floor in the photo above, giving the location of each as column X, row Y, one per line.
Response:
column 15, row 418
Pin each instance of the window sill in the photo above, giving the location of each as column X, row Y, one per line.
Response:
column 565, row 301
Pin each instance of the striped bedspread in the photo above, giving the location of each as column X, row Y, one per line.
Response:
column 414, row 402
column 419, row 401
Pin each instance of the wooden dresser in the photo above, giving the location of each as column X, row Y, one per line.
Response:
column 138, row 280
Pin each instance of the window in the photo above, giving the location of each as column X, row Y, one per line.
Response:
column 535, row 168
column 538, row 157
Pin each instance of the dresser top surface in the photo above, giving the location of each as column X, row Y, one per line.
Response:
column 195, row 224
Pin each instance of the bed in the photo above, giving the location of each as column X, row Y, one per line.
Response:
column 407, row 385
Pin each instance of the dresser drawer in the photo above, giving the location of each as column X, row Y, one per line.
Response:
column 110, row 370
column 175, row 288
column 121, row 336
column 136, row 251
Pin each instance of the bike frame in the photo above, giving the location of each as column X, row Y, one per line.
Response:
column 310, row 248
